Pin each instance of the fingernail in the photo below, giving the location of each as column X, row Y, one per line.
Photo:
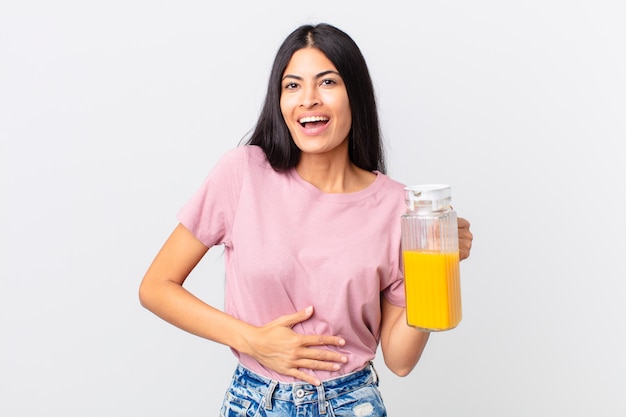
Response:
column 336, row 367
column 308, row 310
column 344, row 359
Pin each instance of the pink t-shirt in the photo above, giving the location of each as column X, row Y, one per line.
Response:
column 289, row 245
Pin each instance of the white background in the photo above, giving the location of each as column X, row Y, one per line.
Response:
column 112, row 113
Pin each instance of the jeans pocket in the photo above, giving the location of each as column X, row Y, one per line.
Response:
column 363, row 402
column 235, row 406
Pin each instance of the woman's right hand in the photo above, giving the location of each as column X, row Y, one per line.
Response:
column 277, row 347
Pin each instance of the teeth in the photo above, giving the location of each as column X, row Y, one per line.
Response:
column 313, row 119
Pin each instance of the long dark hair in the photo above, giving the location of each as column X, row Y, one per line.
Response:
column 271, row 133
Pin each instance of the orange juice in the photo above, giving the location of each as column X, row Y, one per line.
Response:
column 433, row 291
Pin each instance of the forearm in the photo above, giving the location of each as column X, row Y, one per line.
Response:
column 402, row 345
column 174, row 304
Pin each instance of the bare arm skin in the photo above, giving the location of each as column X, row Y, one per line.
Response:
column 401, row 344
column 274, row 345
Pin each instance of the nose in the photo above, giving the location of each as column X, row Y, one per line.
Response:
column 310, row 97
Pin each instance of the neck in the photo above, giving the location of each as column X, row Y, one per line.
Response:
column 333, row 174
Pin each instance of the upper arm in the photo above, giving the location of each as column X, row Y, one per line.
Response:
column 180, row 253
column 389, row 316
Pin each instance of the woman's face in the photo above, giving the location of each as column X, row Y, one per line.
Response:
column 314, row 103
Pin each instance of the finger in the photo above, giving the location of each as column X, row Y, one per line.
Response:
column 305, row 377
column 465, row 245
column 466, row 240
column 323, row 359
column 318, row 365
column 322, row 340
column 465, row 237
column 290, row 320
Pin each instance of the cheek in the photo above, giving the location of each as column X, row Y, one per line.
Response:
column 288, row 100
column 342, row 105
column 347, row 117
column 284, row 112
column 286, row 108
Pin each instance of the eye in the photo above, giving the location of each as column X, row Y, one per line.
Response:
column 328, row 82
column 290, row 85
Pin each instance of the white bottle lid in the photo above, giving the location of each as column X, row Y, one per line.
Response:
column 438, row 196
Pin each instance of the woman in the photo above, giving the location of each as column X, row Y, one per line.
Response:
column 311, row 231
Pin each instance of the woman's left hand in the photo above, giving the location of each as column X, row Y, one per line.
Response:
column 465, row 238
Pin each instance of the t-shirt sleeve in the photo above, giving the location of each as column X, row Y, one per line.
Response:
column 393, row 290
column 210, row 212
column 394, row 293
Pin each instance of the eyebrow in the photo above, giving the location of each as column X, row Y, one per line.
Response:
column 321, row 74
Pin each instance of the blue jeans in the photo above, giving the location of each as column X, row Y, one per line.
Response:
column 352, row 395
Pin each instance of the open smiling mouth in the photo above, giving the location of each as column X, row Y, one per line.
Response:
column 313, row 121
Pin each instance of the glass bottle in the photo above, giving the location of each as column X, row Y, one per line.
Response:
column 430, row 255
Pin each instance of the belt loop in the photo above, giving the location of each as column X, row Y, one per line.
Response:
column 374, row 373
column 321, row 398
column 268, row 395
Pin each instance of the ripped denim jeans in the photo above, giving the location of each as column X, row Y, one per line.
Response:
column 351, row 395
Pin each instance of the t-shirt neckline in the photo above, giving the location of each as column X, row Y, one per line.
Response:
column 318, row 194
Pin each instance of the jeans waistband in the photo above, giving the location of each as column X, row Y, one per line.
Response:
column 302, row 392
